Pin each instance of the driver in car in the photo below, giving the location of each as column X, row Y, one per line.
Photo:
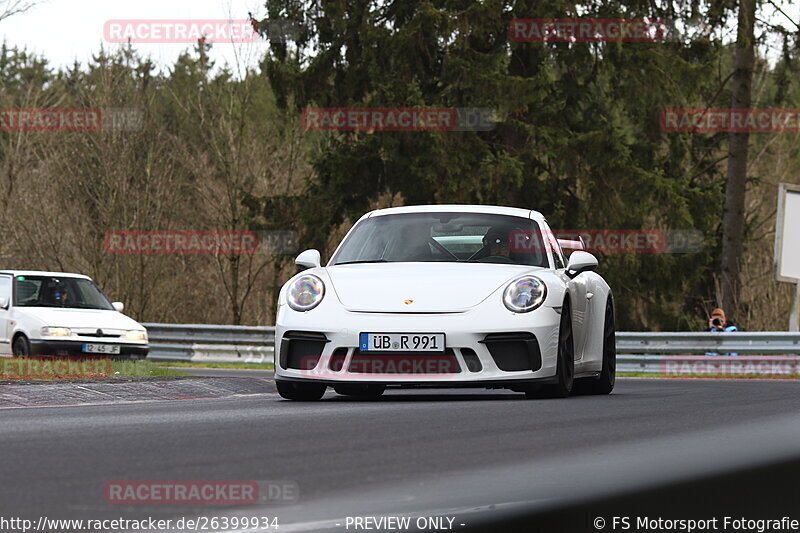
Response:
column 61, row 295
column 496, row 242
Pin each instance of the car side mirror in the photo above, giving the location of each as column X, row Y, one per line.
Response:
column 308, row 259
column 580, row 262
column 3, row 302
column 118, row 306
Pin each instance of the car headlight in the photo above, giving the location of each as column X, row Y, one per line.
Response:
column 136, row 335
column 49, row 331
column 305, row 293
column 525, row 294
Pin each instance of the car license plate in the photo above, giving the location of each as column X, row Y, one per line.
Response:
column 401, row 342
column 101, row 348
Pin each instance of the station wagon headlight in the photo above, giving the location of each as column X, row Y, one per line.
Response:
column 305, row 293
column 49, row 331
column 525, row 294
column 136, row 335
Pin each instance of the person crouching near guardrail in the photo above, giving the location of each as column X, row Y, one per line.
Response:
column 718, row 323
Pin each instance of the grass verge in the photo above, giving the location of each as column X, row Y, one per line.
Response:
column 257, row 366
column 36, row 369
column 706, row 376
column 141, row 369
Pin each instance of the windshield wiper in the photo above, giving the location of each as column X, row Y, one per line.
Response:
column 365, row 261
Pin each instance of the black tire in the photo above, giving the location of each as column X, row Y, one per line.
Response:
column 565, row 368
column 361, row 390
column 21, row 347
column 304, row 392
column 604, row 383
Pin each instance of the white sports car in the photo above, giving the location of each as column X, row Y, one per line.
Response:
column 446, row 296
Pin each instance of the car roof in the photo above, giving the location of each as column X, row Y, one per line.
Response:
column 43, row 273
column 456, row 208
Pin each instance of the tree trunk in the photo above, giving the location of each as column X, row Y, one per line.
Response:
column 733, row 216
column 236, row 309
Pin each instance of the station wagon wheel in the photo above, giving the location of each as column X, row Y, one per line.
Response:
column 21, row 347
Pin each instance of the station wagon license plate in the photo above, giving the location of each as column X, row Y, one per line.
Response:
column 101, row 348
column 401, row 342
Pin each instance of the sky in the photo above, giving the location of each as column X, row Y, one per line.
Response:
column 67, row 30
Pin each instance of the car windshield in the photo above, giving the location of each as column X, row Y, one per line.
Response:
column 444, row 237
column 51, row 291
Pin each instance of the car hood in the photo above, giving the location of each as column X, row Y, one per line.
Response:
column 81, row 318
column 428, row 287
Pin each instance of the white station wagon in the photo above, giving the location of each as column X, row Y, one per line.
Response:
column 57, row 314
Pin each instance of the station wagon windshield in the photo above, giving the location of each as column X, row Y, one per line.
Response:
column 48, row 291
column 444, row 237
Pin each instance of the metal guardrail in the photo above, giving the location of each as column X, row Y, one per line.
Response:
column 210, row 334
column 700, row 343
column 767, row 353
column 211, row 343
column 760, row 365
column 637, row 351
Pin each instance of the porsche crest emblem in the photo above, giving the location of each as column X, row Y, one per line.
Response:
column 408, row 302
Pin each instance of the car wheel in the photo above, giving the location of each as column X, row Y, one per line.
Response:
column 565, row 368
column 306, row 392
column 604, row 384
column 21, row 347
column 361, row 390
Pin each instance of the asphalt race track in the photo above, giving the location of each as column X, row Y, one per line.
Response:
column 473, row 455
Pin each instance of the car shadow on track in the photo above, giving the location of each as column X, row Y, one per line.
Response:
column 430, row 397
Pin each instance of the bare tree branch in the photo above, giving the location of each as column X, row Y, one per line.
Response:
column 14, row 7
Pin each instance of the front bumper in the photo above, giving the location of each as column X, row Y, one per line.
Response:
column 73, row 348
column 484, row 348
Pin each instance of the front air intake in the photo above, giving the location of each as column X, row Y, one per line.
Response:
column 337, row 359
column 514, row 352
column 471, row 359
column 404, row 363
column 301, row 350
